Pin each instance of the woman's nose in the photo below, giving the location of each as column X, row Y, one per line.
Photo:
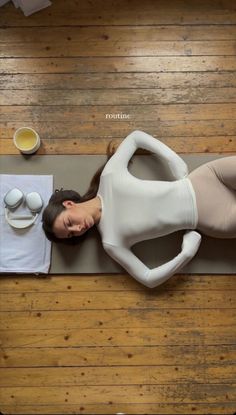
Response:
column 79, row 228
column 76, row 228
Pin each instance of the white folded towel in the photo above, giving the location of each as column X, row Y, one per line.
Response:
column 29, row 6
column 2, row 2
column 24, row 250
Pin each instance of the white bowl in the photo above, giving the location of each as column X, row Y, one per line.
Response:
column 19, row 222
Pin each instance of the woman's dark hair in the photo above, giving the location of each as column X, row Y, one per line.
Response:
column 55, row 204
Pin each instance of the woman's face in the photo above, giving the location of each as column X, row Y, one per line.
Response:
column 74, row 220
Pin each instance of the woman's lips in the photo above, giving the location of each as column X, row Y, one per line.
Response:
column 87, row 225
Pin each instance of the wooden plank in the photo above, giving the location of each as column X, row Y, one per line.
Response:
column 113, row 337
column 104, row 300
column 129, row 408
column 215, row 356
column 71, row 81
column 118, row 375
column 185, row 145
column 87, row 113
column 118, row 64
column 117, row 129
column 121, row 97
column 17, row 36
column 183, row 393
column 53, row 48
column 131, row 13
column 216, row 318
column 88, row 283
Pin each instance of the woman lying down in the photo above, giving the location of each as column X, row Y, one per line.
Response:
column 127, row 210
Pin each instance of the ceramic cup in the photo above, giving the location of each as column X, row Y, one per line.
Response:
column 26, row 140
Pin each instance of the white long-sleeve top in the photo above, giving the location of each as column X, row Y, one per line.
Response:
column 134, row 210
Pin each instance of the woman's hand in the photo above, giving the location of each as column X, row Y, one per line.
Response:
column 191, row 242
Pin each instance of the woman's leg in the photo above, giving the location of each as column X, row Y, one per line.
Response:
column 215, row 188
column 225, row 169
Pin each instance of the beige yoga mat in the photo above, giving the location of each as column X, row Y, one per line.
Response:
column 74, row 172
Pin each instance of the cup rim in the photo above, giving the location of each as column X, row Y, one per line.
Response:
column 29, row 149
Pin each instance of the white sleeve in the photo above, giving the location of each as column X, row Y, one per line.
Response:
column 153, row 277
column 139, row 139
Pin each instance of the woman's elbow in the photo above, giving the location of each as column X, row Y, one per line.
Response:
column 149, row 283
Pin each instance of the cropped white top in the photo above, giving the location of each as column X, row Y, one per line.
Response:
column 134, row 210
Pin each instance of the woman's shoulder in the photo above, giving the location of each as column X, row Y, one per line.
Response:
column 109, row 168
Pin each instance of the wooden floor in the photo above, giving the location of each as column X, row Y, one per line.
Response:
column 83, row 73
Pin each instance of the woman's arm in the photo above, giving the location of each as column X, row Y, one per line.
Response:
column 153, row 277
column 139, row 139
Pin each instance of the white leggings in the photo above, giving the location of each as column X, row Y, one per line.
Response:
column 215, row 188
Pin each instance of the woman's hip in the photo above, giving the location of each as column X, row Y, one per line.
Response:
column 214, row 184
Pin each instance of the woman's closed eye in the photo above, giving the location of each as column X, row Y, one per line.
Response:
column 70, row 233
column 67, row 225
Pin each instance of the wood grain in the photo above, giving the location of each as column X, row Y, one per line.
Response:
column 102, row 344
